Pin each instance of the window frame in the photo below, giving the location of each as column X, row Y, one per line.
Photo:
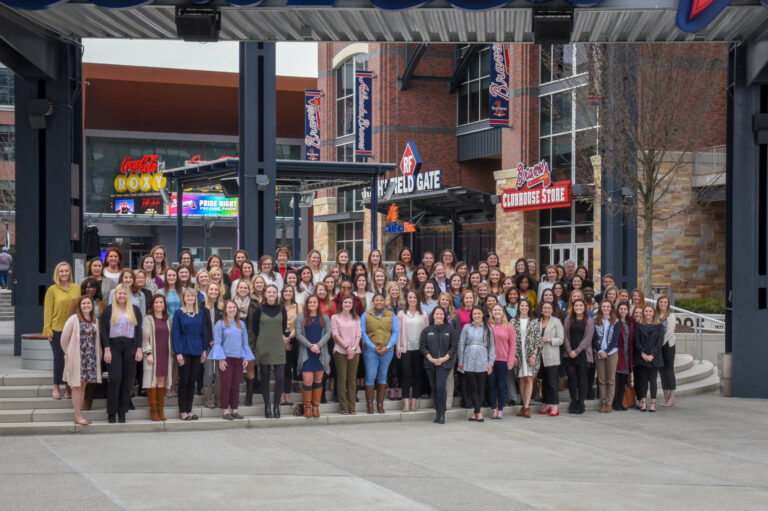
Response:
column 483, row 55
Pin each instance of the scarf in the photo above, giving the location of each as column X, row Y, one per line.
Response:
column 242, row 305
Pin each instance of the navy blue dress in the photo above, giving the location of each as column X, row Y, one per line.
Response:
column 313, row 332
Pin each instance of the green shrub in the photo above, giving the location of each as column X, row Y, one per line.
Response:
column 702, row 305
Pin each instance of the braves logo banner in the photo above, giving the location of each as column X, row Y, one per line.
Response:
column 526, row 196
column 363, row 107
column 498, row 90
column 312, row 124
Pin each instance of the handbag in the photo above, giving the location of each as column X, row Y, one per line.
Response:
column 629, row 400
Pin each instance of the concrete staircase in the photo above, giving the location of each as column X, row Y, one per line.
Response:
column 26, row 407
column 6, row 309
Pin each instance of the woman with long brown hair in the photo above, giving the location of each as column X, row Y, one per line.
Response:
column 235, row 271
column 669, row 322
column 315, row 263
column 161, row 263
column 82, row 352
column 346, row 332
column 158, row 362
column 113, row 263
column 231, row 350
column 313, row 330
column 272, row 341
column 292, row 369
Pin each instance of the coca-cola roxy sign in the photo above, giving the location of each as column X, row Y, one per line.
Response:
column 534, row 189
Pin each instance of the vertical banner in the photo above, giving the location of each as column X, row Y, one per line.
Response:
column 312, row 124
column 498, row 90
column 363, row 107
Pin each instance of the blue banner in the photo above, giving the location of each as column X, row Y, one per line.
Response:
column 498, row 89
column 312, row 100
column 363, row 108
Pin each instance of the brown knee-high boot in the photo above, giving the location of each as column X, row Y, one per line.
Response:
column 369, row 397
column 306, row 397
column 152, row 400
column 317, row 392
column 160, row 403
column 381, row 392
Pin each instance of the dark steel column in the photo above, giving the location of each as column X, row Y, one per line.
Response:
column 296, row 225
column 49, row 158
column 374, row 212
column 179, row 218
column 747, row 231
column 257, row 148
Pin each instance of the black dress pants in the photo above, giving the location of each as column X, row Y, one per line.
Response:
column 121, row 372
column 411, row 374
column 621, row 385
column 187, row 378
column 58, row 360
column 646, row 377
column 476, row 388
column 549, row 381
column 668, row 381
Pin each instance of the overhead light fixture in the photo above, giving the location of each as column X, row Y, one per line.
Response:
column 230, row 186
column 38, row 109
column 307, row 200
column 198, row 24
column 552, row 26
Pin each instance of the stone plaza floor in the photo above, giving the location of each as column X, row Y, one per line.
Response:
column 708, row 452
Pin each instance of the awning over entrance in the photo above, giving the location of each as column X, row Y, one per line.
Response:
column 435, row 21
column 439, row 207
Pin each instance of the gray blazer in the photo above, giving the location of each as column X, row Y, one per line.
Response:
column 550, row 353
column 304, row 344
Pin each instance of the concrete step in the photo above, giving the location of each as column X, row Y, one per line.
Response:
column 694, row 373
column 710, row 383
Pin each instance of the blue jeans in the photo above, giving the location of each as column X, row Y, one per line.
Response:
column 376, row 365
column 497, row 385
column 3, row 278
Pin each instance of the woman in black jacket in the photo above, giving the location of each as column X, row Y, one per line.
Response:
column 438, row 343
column 649, row 336
column 120, row 334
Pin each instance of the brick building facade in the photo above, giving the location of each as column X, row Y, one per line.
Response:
column 552, row 117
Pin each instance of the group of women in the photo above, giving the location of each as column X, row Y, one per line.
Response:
column 421, row 330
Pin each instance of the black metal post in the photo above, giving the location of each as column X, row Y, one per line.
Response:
column 179, row 218
column 49, row 157
column 747, row 230
column 258, row 172
column 296, row 220
column 374, row 212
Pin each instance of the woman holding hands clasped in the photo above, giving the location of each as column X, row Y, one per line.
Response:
column 476, row 357
column 158, row 362
column 231, row 350
column 190, row 342
column 438, row 343
column 313, row 330
column 82, row 353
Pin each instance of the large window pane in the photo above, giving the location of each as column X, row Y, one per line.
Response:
column 583, row 59
column 484, row 98
column 561, row 112
column 584, row 213
column 561, row 157
column 545, row 150
column 474, row 101
column 545, row 115
column 464, row 104
column 586, row 109
column 562, row 61
column 546, row 64
column 586, row 147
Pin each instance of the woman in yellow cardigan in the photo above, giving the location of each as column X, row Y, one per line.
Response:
column 58, row 298
column 82, row 352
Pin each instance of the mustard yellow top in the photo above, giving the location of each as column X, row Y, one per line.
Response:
column 56, row 307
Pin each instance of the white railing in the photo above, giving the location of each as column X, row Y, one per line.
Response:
column 697, row 327
column 709, row 161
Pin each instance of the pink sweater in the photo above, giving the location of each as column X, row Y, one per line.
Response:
column 505, row 343
column 346, row 332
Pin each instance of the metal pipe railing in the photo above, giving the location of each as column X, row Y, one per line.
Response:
column 698, row 329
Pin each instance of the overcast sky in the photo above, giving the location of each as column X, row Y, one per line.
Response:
column 293, row 59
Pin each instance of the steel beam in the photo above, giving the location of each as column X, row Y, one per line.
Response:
column 258, row 171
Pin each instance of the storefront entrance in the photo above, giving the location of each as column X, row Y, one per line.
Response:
column 580, row 252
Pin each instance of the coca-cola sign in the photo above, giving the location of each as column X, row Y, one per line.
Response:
column 149, row 163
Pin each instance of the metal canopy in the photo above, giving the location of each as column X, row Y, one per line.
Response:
column 440, row 206
column 437, row 21
column 293, row 176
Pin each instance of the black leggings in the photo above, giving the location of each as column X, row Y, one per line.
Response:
column 121, row 372
column 58, row 360
column 618, row 397
column 577, row 383
column 668, row 381
column 476, row 388
column 291, row 363
column 279, row 381
column 412, row 373
column 646, row 376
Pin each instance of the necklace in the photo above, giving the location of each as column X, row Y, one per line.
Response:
column 190, row 314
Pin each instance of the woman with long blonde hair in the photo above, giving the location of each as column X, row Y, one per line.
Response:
column 190, row 342
column 56, row 306
column 121, row 336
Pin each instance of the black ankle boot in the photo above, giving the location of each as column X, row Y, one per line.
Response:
column 111, row 418
column 267, row 411
column 276, row 411
column 441, row 420
column 121, row 417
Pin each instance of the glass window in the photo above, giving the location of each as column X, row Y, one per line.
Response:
column 586, row 109
column 7, row 87
column 473, row 95
column 345, row 152
column 288, row 152
column 586, row 147
column 345, row 99
column 561, row 112
column 350, row 236
column 545, row 105
column 561, row 158
column 7, row 142
column 349, row 200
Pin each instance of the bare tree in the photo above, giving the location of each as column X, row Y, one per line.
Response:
column 659, row 103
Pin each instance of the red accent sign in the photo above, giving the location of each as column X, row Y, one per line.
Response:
column 533, row 176
column 698, row 7
column 410, row 163
column 147, row 164
column 556, row 196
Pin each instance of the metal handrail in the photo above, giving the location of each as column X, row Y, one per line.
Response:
column 697, row 328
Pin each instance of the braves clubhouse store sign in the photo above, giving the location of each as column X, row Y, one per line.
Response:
column 535, row 190
column 692, row 15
